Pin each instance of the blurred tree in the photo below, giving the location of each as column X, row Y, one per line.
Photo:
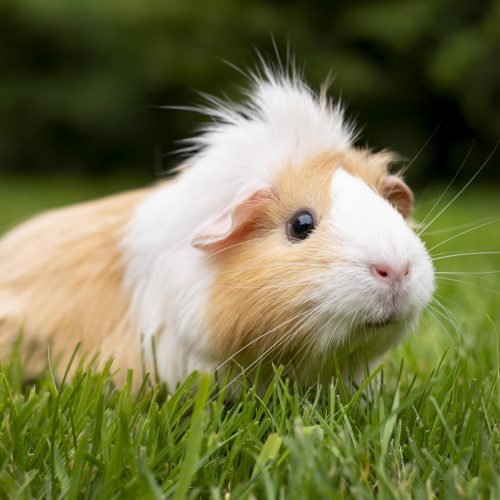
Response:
column 80, row 79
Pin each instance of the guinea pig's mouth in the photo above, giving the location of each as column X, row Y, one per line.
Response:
column 378, row 324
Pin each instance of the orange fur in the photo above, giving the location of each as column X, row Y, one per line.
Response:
column 61, row 283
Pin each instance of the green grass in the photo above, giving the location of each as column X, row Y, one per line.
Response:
column 21, row 197
column 430, row 428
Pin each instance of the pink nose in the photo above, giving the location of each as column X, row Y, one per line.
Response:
column 391, row 273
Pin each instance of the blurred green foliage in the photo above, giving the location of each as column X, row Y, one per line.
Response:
column 82, row 80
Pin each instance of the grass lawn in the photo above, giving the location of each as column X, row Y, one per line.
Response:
column 430, row 429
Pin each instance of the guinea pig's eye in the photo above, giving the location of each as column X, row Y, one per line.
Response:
column 300, row 225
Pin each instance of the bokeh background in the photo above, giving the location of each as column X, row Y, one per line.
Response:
column 82, row 82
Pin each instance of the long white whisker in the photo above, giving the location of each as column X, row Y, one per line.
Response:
column 467, row 273
column 256, row 339
column 447, row 188
column 448, row 319
column 410, row 163
column 468, row 283
column 463, row 254
column 312, row 340
column 459, row 226
column 463, row 189
column 266, row 287
column 434, row 313
column 281, row 341
column 464, row 232
column 452, row 317
column 489, row 248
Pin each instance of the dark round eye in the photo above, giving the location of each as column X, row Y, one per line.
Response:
column 300, row 225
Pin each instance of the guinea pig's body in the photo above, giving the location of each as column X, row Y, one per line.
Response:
column 278, row 241
column 61, row 282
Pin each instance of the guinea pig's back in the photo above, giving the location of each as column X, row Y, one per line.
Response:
column 61, row 277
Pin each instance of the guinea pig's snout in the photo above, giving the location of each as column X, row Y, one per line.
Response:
column 390, row 273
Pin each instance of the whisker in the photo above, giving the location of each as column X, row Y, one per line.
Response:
column 266, row 287
column 467, row 273
column 281, row 341
column 489, row 248
column 289, row 335
column 435, row 315
column 452, row 317
column 256, row 339
column 463, row 189
column 447, row 188
column 463, row 232
column 468, row 283
column 437, row 300
column 312, row 339
column 463, row 254
column 410, row 163
column 446, row 318
column 459, row 226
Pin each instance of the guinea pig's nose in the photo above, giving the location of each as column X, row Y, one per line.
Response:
column 391, row 273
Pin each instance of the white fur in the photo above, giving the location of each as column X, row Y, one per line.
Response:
column 365, row 231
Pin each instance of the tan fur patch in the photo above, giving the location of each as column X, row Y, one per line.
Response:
column 61, row 283
column 263, row 296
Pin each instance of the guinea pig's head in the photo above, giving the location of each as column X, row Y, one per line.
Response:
column 314, row 257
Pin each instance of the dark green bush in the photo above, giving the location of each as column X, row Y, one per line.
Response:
column 80, row 78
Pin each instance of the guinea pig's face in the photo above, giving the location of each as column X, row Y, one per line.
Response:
column 321, row 262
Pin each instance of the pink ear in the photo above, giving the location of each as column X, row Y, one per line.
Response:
column 229, row 225
column 398, row 194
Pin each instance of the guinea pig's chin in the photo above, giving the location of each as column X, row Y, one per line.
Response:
column 388, row 330
column 391, row 324
column 392, row 316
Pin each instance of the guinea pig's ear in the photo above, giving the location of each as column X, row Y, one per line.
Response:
column 398, row 194
column 234, row 222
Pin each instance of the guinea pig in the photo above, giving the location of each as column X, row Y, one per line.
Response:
column 278, row 241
